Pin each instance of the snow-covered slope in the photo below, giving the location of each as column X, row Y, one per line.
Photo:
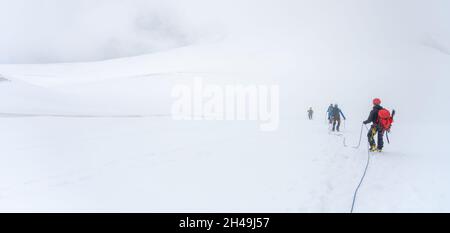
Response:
column 99, row 136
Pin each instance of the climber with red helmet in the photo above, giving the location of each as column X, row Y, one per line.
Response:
column 381, row 120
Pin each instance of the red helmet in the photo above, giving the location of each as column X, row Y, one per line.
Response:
column 376, row 101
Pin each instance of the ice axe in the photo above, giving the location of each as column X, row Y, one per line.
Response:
column 387, row 132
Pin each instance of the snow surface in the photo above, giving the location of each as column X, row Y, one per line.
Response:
column 121, row 151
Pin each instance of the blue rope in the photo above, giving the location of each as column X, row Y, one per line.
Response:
column 360, row 139
column 362, row 178
column 355, row 194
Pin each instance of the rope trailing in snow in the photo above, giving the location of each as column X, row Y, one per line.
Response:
column 355, row 194
column 360, row 139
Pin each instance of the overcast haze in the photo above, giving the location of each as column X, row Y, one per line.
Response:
column 48, row 31
column 99, row 136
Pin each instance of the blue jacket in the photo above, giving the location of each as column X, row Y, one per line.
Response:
column 330, row 111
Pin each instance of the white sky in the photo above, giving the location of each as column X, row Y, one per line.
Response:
column 46, row 31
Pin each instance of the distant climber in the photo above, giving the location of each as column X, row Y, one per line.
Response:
column 381, row 120
column 330, row 114
column 336, row 117
column 3, row 79
column 310, row 113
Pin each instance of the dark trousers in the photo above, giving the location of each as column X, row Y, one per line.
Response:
column 336, row 123
column 375, row 130
column 310, row 116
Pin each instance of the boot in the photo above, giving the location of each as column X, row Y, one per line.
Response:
column 373, row 148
